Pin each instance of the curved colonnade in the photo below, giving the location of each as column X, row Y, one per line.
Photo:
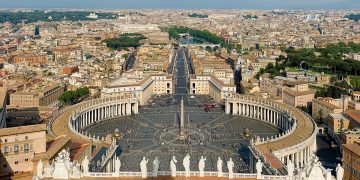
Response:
column 297, row 142
column 106, row 109
column 87, row 113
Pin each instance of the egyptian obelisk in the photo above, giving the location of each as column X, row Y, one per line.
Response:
column 181, row 130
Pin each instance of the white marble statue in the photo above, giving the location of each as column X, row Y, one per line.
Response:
column 35, row 178
column 39, row 170
column 143, row 167
column 76, row 173
column 156, row 164
column 230, row 166
column 202, row 166
column 85, row 165
column 186, row 164
column 328, row 175
column 117, row 165
column 98, row 163
column 290, row 168
column 259, row 166
column 219, row 165
column 339, row 172
column 173, row 166
column 62, row 168
column 49, row 169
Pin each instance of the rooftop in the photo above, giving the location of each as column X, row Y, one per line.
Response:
column 338, row 116
column 3, row 92
column 353, row 147
column 354, row 115
column 298, row 93
column 323, row 102
column 22, row 129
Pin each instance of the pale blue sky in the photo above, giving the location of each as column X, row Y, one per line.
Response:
column 184, row 4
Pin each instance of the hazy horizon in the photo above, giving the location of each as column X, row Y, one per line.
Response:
column 184, row 4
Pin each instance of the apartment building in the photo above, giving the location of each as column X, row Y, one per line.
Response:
column 3, row 102
column 349, row 136
column 210, row 85
column 336, row 123
column 213, row 75
column 351, row 161
column 68, row 70
column 18, row 147
column 298, row 98
column 140, row 85
column 322, row 107
column 46, row 96
column 355, row 102
column 31, row 58
column 66, row 53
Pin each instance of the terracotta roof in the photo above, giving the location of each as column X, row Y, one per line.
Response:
column 354, row 115
column 326, row 104
column 53, row 147
column 22, row 129
column 298, row 93
column 327, row 98
column 353, row 147
column 79, row 151
column 293, row 83
column 274, row 162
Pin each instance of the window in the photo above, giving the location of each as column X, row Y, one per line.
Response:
column 26, row 147
column 16, row 148
column 26, row 159
column 6, row 140
column 26, row 137
column 16, row 162
column 6, row 149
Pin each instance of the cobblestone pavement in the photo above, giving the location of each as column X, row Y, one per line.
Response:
column 154, row 133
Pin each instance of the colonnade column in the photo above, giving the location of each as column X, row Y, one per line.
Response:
column 244, row 109
column 123, row 109
column 128, row 108
column 137, row 108
column 227, row 108
column 235, row 108
column 240, row 109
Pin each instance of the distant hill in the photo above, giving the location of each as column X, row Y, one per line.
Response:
column 35, row 16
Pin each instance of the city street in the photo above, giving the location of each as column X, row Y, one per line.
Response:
column 327, row 154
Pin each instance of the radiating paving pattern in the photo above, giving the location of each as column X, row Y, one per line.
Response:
column 153, row 133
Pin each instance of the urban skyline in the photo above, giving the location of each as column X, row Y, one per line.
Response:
column 239, row 90
column 186, row 4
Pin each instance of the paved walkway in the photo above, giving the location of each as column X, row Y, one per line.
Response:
column 60, row 126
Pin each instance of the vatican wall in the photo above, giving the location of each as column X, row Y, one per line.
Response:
column 296, row 143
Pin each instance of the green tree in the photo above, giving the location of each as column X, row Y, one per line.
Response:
column 37, row 30
column 70, row 97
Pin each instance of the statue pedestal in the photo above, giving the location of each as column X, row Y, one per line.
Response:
column 182, row 137
column 259, row 176
column 182, row 134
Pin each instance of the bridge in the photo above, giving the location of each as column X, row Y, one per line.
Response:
column 184, row 34
column 201, row 45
